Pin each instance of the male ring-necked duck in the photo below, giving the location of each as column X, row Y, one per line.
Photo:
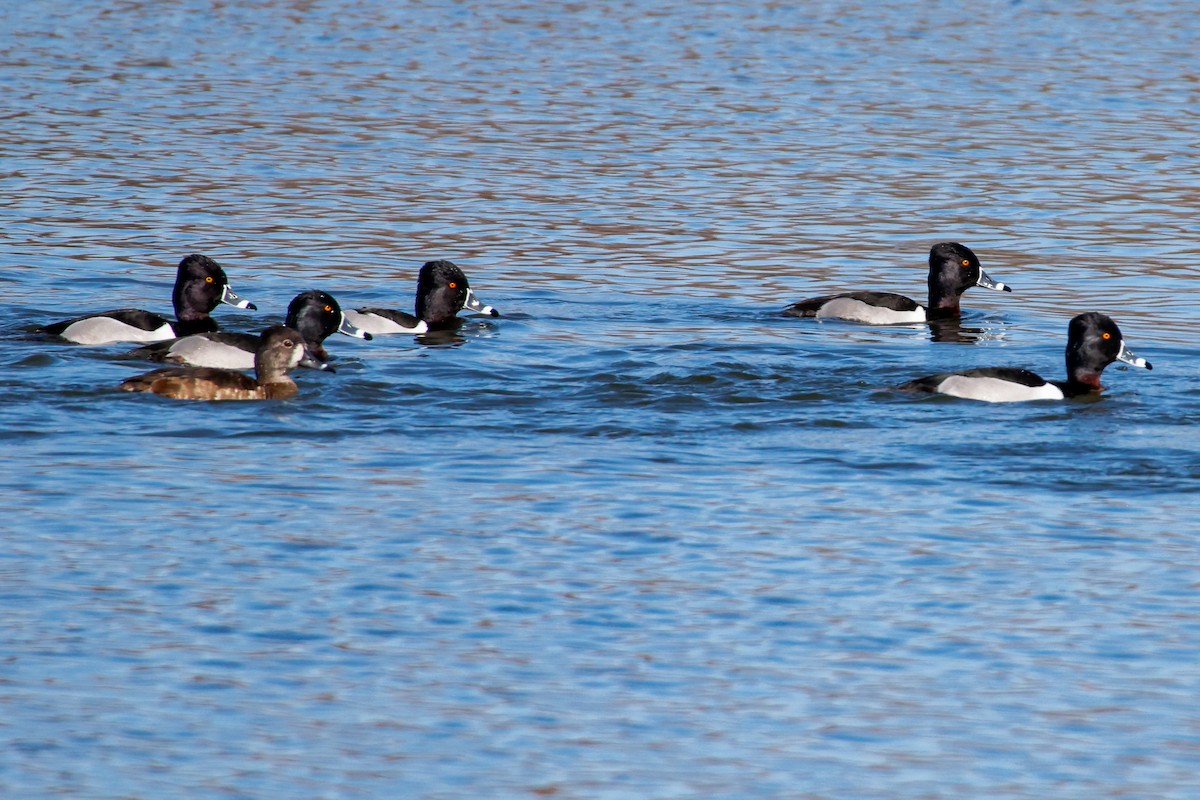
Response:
column 442, row 291
column 280, row 348
column 200, row 284
column 1093, row 342
column 953, row 268
column 315, row 314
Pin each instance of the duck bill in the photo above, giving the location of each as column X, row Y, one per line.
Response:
column 231, row 297
column 473, row 303
column 351, row 330
column 988, row 282
column 313, row 362
column 1126, row 355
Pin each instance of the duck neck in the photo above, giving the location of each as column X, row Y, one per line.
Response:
column 1088, row 352
column 1081, row 375
column 437, row 309
column 944, row 296
column 279, row 389
column 943, row 308
column 1088, row 381
column 269, row 371
column 194, row 324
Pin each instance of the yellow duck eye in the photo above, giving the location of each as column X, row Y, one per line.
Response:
column 966, row 262
column 329, row 308
column 1108, row 336
column 453, row 285
column 208, row 279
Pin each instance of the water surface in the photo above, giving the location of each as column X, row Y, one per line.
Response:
column 641, row 536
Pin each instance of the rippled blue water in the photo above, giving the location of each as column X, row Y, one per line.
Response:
column 641, row 536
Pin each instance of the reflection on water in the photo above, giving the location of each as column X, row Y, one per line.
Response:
column 953, row 330
column 640, row 536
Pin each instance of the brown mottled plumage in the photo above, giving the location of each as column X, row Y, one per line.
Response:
column 280, row 348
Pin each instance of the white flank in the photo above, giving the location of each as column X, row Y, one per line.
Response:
column 995, row 390
column 198, row 351
column 381, row 326
column 106, row 330
column 858, row 311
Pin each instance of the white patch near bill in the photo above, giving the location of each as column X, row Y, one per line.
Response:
column 995, row 390
column 858, row 311
column 381, row 326
column 106, row 330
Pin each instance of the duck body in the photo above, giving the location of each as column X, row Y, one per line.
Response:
column 219, row 349
column 208, row 383
column 200, row 286
column 1093, row 342
column 314, row 313
column 872, row 308
column 990, row 384
column 280, row 349
column 383, row 321
column 953, row 268
column 442, row 291
column 118, row 325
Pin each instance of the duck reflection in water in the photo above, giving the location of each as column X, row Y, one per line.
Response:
column 953, row 330
column 441, row 338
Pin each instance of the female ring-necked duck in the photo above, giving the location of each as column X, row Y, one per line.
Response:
column 315, row 314
column 953, row 268
column 280, row 348
column 1093, row 342
column 442, row 291
column 200, row 285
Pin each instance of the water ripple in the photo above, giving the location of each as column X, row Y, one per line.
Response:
column 641, row 535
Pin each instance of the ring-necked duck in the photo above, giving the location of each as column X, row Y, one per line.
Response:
column 315, row 314
column 442, row 291
column 1093, row 342
column 280, row 348
column 953, row 268
column 200, row 285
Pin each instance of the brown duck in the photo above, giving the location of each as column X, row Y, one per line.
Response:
column 280, row 348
